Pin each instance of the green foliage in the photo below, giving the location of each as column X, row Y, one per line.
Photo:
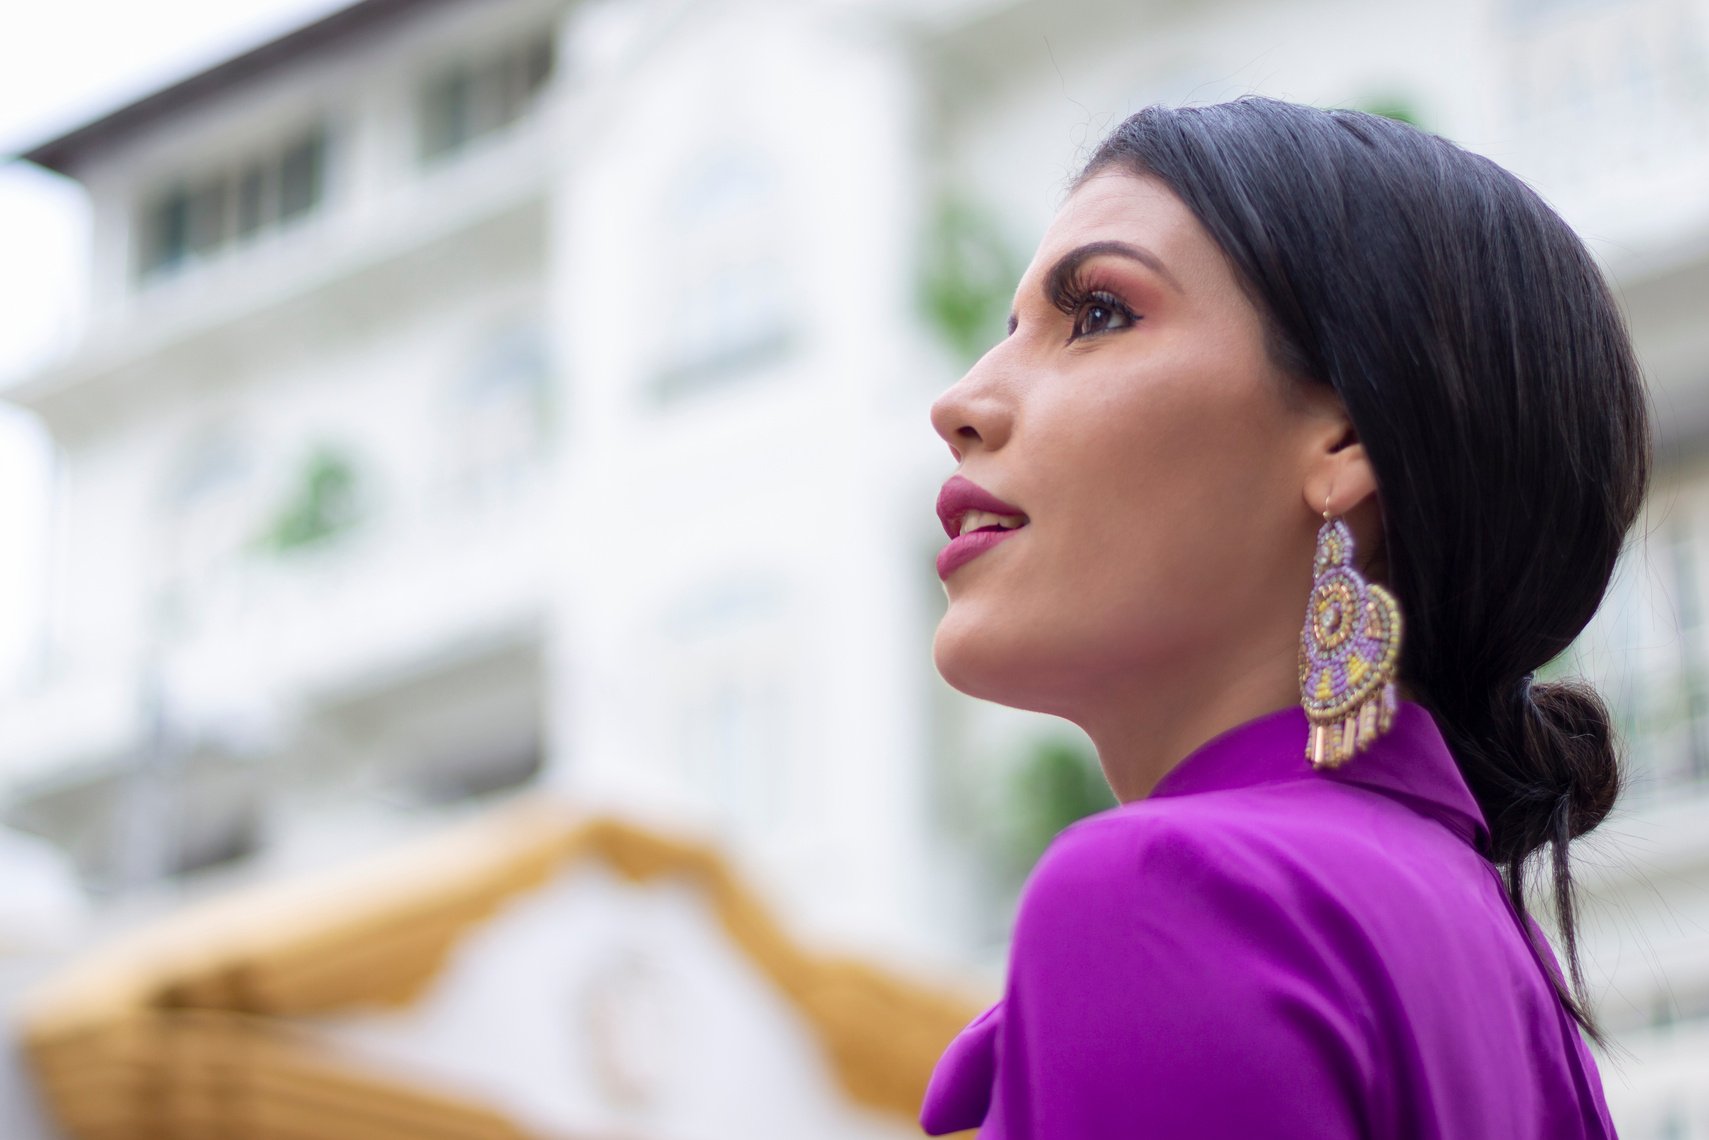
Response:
column 1560, row 667
column 1391, row 106
column 1058, row 783
column 322, row 504
column 968, row 278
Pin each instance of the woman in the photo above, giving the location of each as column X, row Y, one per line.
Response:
column 1267, row 352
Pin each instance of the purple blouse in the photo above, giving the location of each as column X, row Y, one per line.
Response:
column 1261, row 949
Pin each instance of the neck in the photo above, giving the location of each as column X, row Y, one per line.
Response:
column 1149, row 723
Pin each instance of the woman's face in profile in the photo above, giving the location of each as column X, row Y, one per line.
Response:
column 1162, row 462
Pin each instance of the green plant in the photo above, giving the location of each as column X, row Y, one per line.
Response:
column 1391, row 105
column 1561, row 666
column 968, row 277
column 322, row 504
column 1057, row 783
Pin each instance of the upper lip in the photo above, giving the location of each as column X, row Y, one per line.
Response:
column 960, row 495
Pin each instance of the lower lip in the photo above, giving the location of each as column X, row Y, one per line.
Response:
column 968, row 546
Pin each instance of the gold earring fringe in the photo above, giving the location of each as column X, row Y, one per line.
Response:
column 1333, row 744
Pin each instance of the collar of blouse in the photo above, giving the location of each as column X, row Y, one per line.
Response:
column 1410, row 762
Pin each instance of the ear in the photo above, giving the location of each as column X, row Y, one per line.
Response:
column 1338, row 472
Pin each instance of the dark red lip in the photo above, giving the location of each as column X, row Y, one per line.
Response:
column 960, row 495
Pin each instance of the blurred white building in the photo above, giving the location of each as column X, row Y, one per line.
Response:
column 481, row 393
column 475, row 388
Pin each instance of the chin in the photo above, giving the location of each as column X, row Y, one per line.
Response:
column 1045, row 666
column 979, row 660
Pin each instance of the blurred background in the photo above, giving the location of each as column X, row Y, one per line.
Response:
column 466, row 503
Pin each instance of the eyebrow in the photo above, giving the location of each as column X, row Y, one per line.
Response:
column 1062, row 273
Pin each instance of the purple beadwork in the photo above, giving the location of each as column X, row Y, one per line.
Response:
column 1349, row 651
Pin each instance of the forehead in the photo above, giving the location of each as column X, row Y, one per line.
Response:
column 1139, row 209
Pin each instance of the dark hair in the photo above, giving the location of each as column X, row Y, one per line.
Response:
column 1488, row 373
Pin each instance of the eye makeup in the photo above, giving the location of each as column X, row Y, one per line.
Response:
column 1068, row 285
column 1082, row 297
column 1068, row 266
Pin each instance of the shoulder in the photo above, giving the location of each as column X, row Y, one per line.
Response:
column 1237, row 892
column 1308, row 843
column 1155, row 970
column 1188, row 853
column 1138, row 883
column 1123, row 852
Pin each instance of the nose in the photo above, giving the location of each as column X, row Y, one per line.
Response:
column 973, row 412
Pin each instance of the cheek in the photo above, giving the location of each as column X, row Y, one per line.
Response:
column 1159, row 512
column 1165, row 484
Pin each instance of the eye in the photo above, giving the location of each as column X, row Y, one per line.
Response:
column 1100, row 312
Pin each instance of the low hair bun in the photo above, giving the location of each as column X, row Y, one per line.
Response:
column 1562, row 772
column 1578, row 732
column 1556, row 772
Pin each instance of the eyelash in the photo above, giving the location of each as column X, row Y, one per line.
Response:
column 1076, row 294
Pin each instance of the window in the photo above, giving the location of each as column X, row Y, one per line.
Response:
column 726, row 668
column 1647, row 650
column 252, row 200
column 477, row 97
column 169, row 232
column 196, row 220
column 1692, row 680
column 187, row 223
column 732, row 282
column 301, row 176
column 1602, row 96
column 207, row 514
column 731, row 743
column 499, row 412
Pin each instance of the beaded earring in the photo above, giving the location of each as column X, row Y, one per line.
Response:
column 1349, row 652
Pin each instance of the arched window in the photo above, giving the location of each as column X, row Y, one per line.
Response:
column 722, row 235
column 726, row 669
column 499, row 412
column 208, row 516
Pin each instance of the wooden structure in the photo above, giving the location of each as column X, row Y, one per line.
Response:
column 184, row 1030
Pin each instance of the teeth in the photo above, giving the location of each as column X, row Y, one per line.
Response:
column 973, row 520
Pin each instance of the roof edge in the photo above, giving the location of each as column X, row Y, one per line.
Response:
column 65, row 152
